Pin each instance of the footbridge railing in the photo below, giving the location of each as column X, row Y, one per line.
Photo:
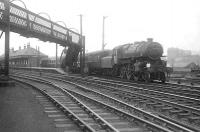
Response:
column 29, row 24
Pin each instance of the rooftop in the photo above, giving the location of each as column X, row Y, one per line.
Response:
column 26, row 51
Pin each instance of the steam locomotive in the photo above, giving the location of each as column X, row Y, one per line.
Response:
column 134, row 61
column 139, row 61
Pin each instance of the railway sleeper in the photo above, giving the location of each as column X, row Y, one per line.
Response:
column 183, row 114
column 158, row 105
column 195, row 119
column 154, row 105
column 142, row 101
column 118, row 122
column 141, row 115
column 169, row 108
column 176, row 111
column 166, row 108
column 151, row 103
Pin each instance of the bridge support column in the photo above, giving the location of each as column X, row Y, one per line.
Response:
column 4, row 80
column 7, row 40
column 7, row 45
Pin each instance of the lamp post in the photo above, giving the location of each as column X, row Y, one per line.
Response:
column 57, row 44
column 82, row 53
column 103, row 34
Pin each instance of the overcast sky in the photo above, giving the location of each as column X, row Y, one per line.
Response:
column 173, row 23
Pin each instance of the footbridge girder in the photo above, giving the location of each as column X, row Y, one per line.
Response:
column 32, row 25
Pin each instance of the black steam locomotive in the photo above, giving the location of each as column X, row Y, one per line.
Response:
column 140, row 61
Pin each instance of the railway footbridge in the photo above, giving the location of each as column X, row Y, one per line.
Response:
column 14, row 18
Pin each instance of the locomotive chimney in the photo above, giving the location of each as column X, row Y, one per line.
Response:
column 150, row 40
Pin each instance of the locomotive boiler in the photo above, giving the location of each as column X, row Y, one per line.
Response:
column 133, row 61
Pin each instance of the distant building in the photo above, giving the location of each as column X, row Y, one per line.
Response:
column 26, row 57
column 175, row 52
column 181, row 58
column 50, row 62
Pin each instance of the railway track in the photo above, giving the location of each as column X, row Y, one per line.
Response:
column 179, row 89
column 173, row 88
column 169, row 105
column 188, row 101
column 180, row 108
column 112, row 101
column 93, row 115
column 62, row 102
column 52, row 109
column 155, row 90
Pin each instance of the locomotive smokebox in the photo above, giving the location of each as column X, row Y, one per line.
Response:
column 154, row 50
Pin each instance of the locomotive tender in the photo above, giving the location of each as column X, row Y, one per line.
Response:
column 133, row 61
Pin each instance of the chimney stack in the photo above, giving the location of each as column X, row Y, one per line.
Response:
column 12, row 50
column 28, row 45
column 150, row 40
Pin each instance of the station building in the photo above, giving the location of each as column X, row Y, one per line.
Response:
column 25, row 57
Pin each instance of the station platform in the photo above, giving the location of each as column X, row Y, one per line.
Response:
column 21, row 112
column 43, row 69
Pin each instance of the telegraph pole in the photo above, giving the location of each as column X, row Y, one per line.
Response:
column 82, row 47
column 56, row 54
column 103, row 43
column 83, row 42
column 38, row 56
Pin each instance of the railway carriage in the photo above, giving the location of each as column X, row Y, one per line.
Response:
column 94, row 61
